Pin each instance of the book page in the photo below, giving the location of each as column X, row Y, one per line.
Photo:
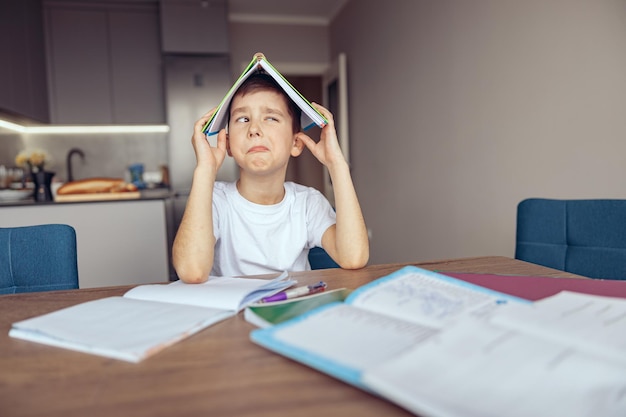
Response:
column 477, row 370
column 219, row 118
column 218, row 292
column 118, row 327
column 148, row 318
column 590, row 322
column 422, row 296
column 310, row 116
column 378, row 321
column 341, row 339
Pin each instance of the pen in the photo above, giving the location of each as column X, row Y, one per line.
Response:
column 296, row 292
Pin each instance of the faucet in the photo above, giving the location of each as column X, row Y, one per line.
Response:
column 70, row 176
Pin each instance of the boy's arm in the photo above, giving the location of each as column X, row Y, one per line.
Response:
column 346, row 241
column 194, row 244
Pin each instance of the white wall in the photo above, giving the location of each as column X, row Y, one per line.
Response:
column 295, row 45
column 460, row 109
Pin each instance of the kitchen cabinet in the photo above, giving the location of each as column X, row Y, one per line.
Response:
column 23, row 85
column 119, row 243
column 194, row 26
column 104, row 63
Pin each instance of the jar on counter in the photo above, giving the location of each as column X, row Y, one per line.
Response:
column 136, row 175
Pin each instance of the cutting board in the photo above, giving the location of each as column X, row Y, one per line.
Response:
column 97, row 197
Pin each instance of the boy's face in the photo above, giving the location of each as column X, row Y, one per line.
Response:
column 260, row 135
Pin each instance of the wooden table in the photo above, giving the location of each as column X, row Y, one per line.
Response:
column 217, row 372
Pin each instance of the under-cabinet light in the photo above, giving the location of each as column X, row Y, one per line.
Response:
column 12, row 126
column 73, row 129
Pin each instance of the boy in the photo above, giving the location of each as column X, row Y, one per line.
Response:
column 262, row 224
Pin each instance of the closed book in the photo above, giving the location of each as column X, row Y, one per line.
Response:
column 268, row 314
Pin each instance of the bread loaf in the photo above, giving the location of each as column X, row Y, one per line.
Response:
column 96, row 185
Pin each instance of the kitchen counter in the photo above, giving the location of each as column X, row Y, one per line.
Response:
column 147, row 194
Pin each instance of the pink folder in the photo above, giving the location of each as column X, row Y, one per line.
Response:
column 534, row 288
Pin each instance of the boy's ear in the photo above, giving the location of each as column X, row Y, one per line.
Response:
column 297, row 146
column 228, row 146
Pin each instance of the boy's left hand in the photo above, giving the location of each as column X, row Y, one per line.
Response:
column 327, row 150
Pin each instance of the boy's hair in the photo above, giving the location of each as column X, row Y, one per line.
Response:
column 263, row 82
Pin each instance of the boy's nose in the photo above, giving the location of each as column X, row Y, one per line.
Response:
column 254, row 130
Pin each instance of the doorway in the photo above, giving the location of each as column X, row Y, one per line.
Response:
column 306, row 169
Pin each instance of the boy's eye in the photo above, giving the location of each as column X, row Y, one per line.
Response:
column 271, row 118
column 241, row 119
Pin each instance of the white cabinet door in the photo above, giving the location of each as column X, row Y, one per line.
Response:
column 136, row 68
column 23, row 89
column 79, row 76
column 104, row 64
column 119, row 243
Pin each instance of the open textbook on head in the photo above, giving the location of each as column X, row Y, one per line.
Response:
column 148, row 318
column 443, row 347
column 310, row 116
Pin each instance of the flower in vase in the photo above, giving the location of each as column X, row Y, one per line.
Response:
column 35, row 160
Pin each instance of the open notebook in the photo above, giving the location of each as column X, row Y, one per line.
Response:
column 443, row 347
column 148, row 318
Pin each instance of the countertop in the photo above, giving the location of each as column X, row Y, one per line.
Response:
column 147, row 194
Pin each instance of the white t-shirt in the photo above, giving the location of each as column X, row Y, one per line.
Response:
column 259, row 239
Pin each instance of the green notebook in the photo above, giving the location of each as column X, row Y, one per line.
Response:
column 267, row 314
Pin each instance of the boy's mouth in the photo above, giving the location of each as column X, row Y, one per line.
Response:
column 257, row 149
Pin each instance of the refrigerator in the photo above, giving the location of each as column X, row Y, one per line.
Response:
column 193, row 86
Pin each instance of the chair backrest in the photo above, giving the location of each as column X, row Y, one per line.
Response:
column 38, row 258
column 585, row 237
column 319, row 259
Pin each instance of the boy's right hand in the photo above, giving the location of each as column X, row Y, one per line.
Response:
column 206, row 155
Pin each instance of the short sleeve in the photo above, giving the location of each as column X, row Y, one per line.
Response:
column 320, row 216
column 219, row 204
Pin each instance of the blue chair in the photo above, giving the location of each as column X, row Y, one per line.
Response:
column 38, row 258
column 319, row 259
column 584, row 237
